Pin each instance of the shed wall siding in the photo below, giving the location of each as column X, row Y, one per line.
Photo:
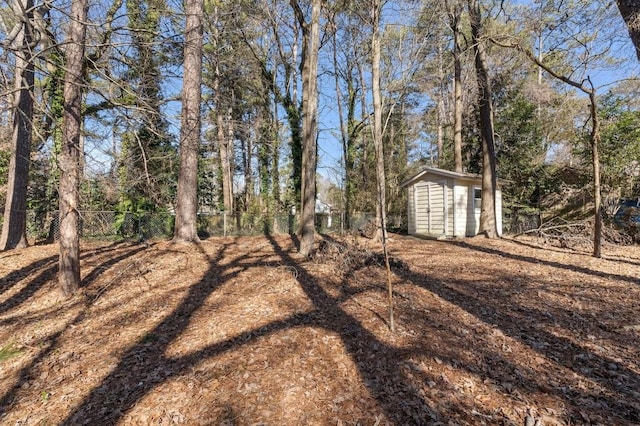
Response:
column 450, row 210
column 411, row 216
column 461, row 202
column 422, row 205
column 437, row 208
column 499, row 212
column 473, row 214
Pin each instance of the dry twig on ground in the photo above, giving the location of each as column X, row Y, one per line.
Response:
column 351, row 255
column 571, row 234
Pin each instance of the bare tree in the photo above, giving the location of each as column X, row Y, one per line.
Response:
column 455, row 14
column 15, row 213
column 344, row 66
column 225, row 144
column 488, row 225
column 585, row 86
column 590, row 52
column 377, row 121
column 69, row 264
column 311, row 46
column 187, row 197
column 381, row 205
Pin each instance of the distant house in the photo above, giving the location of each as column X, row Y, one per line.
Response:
column 323, row 214
column 442, row 203
column 322, row 207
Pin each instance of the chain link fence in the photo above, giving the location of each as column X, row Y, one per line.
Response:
column 146, row 225
column 515, row 222
column 102, row 225
column 44, row 226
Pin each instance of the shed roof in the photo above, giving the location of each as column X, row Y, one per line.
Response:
column 441, row 172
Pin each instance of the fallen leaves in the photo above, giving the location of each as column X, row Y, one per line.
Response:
column 243, row 331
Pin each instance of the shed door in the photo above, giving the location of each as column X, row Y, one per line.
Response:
column 421, row 208
column 436, row 208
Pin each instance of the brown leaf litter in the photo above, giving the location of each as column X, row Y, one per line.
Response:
column 243, row 331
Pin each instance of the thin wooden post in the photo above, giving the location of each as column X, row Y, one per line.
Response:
column 224, row 223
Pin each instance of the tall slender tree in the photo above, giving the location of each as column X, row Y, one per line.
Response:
column 381, row 213
column 488, row 223
column 310, row 48
column 187, row 198
column 381, row 205
column 455, row 17
column 224, row 138
column 586, row 86
column 346, row 55
column 69, row 263
column 14, row 226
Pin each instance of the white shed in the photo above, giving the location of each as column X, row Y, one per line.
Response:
column 442, row 203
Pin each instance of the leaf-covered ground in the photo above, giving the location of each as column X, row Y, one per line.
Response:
column 242, row 331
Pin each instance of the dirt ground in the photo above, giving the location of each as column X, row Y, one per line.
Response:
column 243, row 331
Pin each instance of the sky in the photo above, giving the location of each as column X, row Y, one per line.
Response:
column 329, row 145
column 604, row 74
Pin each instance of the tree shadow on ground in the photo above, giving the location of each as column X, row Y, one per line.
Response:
column 381, row 367
column 50, row 343
column 146, row 363
column 529, row 327
column 634, row 262
column 11, row 279
column 384, row 378
column 46, row 271
column 550, row 263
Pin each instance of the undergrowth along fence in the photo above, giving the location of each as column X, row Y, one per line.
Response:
column 515, row 222
column 44, row 226
column 158, row 225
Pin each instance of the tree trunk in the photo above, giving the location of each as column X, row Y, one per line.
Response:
column 263, row 126
column 275, row 161
column 597, row 197
column 377, row 124
column 630, row 11
column 440, row 109
column 230, row 155
column 311, row 40
column 381, row 205
column 247, row 159
column 457, row 87
column 223, row 142
column 364, row 163
column 489, row 184
column 344, row 135
column 69, row 264
column 187, row 196
column 349, row 129
column 14, row 227
column 225, row 163
column 440, row 118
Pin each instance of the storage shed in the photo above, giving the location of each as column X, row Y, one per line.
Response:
column 442, row 203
